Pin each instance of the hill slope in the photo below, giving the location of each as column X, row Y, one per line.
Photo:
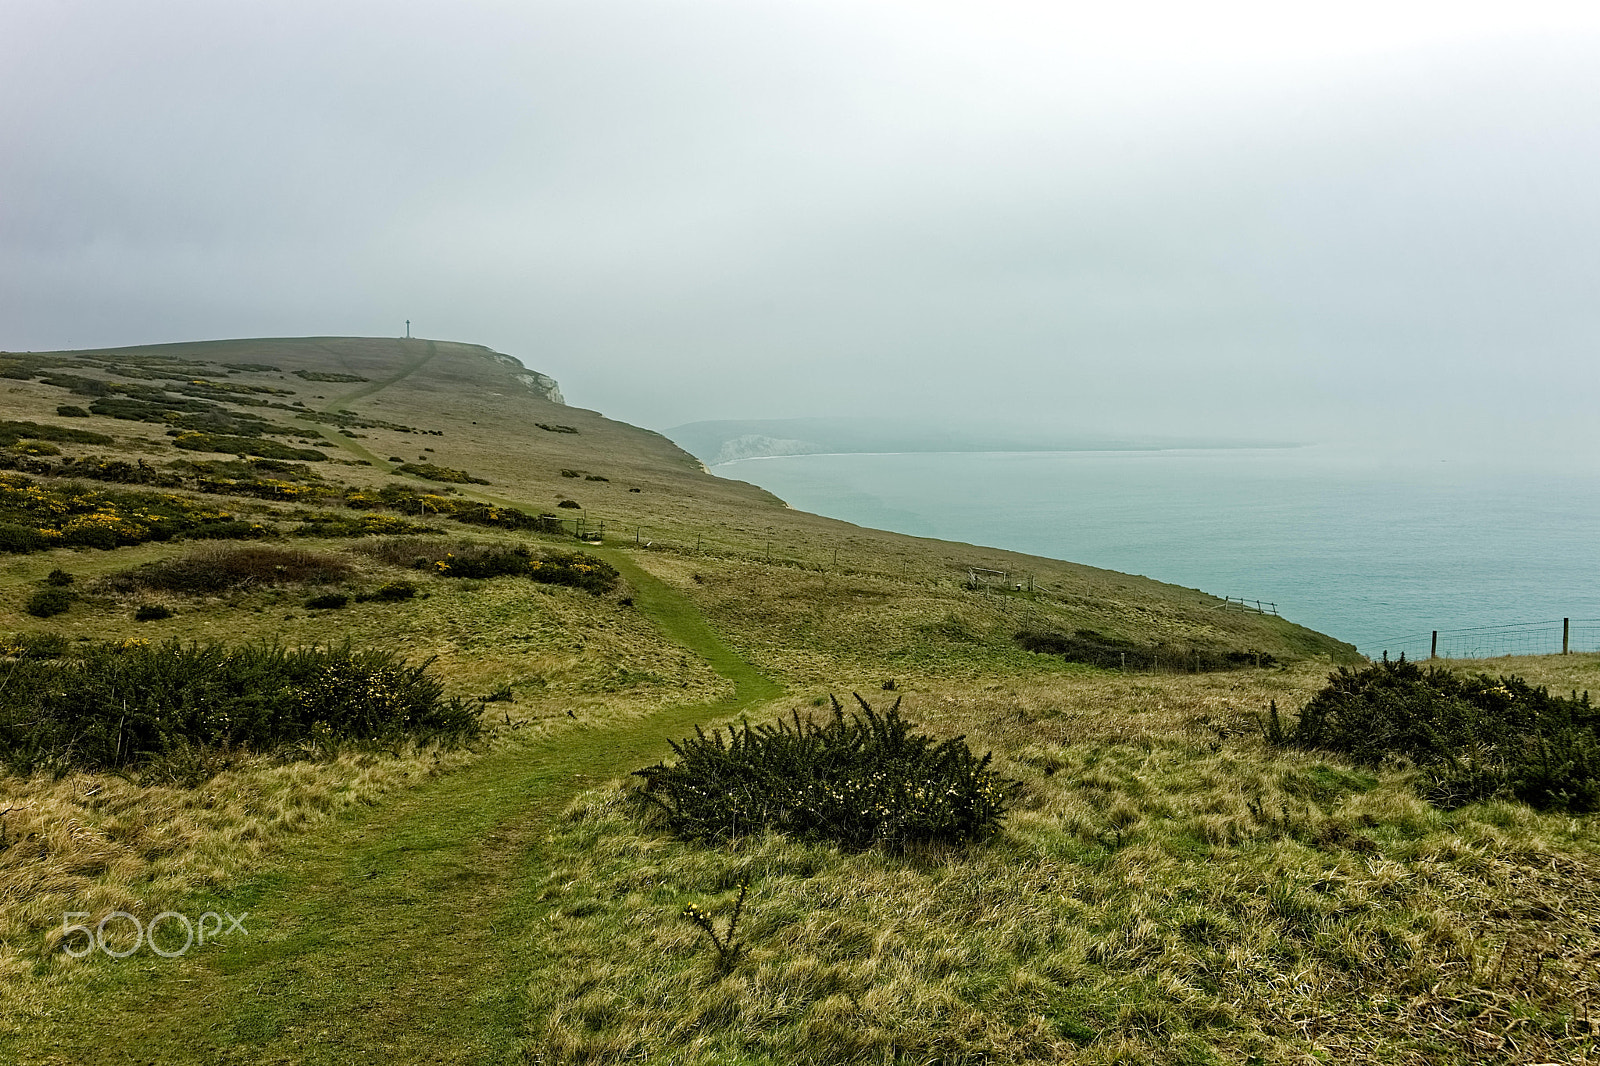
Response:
column 1167, row 886
column 465, row 408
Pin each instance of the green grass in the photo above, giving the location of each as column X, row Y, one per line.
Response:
column 1165, row 890
column 406, row 930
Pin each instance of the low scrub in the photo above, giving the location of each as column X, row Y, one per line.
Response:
column 258, row 446
column 215, row 570
column 858, row 780
column 11, row 432
column 367, row 525
column 115, row 706
column 34, row 516
column 573, row 569
column 1476, row 737
column 49, row 601
column 1115, row 653
column 327, row 375
column 434, row 472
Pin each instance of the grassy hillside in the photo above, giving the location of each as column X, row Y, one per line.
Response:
column 464, row 408
column 1167, row 887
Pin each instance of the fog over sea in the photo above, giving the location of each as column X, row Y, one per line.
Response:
column 1374, row 548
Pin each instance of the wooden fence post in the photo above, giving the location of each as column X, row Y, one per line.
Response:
column 1566, row 631
column 1434, row 653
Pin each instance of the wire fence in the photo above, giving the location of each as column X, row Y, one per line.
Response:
column 1549, row 637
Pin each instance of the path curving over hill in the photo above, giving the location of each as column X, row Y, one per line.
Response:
column 402, row 934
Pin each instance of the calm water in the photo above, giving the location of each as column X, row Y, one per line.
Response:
column 1372, row 550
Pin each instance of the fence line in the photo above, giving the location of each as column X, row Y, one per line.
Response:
column 1549, row 637
column 1258, row 606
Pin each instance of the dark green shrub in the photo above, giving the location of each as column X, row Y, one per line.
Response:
column 151, row 612
column 21, row 539
column 232, row 529
column 327, row 375
column 859, row 780
column 13, row 431
column 482, row 561
column 392, row 592
column 35, row 646
column 111, row 705
column 483, row 514
column 1474, row 736
column 433, row 472
column 1116, row 653
column 59, row 577
column 266, row 449
column 571, row 505
column 574, row 569
column 68, row 410
column 212, row 570
column 49, row 601
column 328, row 601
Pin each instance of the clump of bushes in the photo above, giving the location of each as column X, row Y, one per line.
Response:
column 11, row 432
column 367, row 525
column 35, row 516
column 328, row 601
column 152, row 612
column 49, row 601
column 390, row 592
column 434, row 472
column 259, row 446
column 214, row 570
column 1116, row 653
column 484, row 561
column 34, row 646
column 111, row 706
column 1474, row 736
column 573, row 569
column 327, row 375
column 859, row 780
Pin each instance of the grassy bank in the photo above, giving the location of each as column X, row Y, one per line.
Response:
column 1168, row 889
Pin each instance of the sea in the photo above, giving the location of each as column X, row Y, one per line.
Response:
column 1376, row 548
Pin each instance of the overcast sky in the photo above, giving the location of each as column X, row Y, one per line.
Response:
column 1315, row 220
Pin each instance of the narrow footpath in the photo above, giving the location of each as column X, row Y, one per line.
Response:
column 400, row 934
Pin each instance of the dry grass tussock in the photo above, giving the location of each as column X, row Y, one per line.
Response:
column 1167, row 890
column 208, row 571
column 103, row 842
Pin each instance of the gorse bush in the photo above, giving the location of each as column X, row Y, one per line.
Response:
column 1114, row 653
column 110, row 706
column 36, row 516
column 52, row 600
column 216, row 570
column 574, row 569
column 484, row 561
column 1475, row 736
column 389, row 592
column 859, row 780
column 434, row 472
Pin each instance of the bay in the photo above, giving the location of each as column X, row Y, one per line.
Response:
column 1372, row 548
